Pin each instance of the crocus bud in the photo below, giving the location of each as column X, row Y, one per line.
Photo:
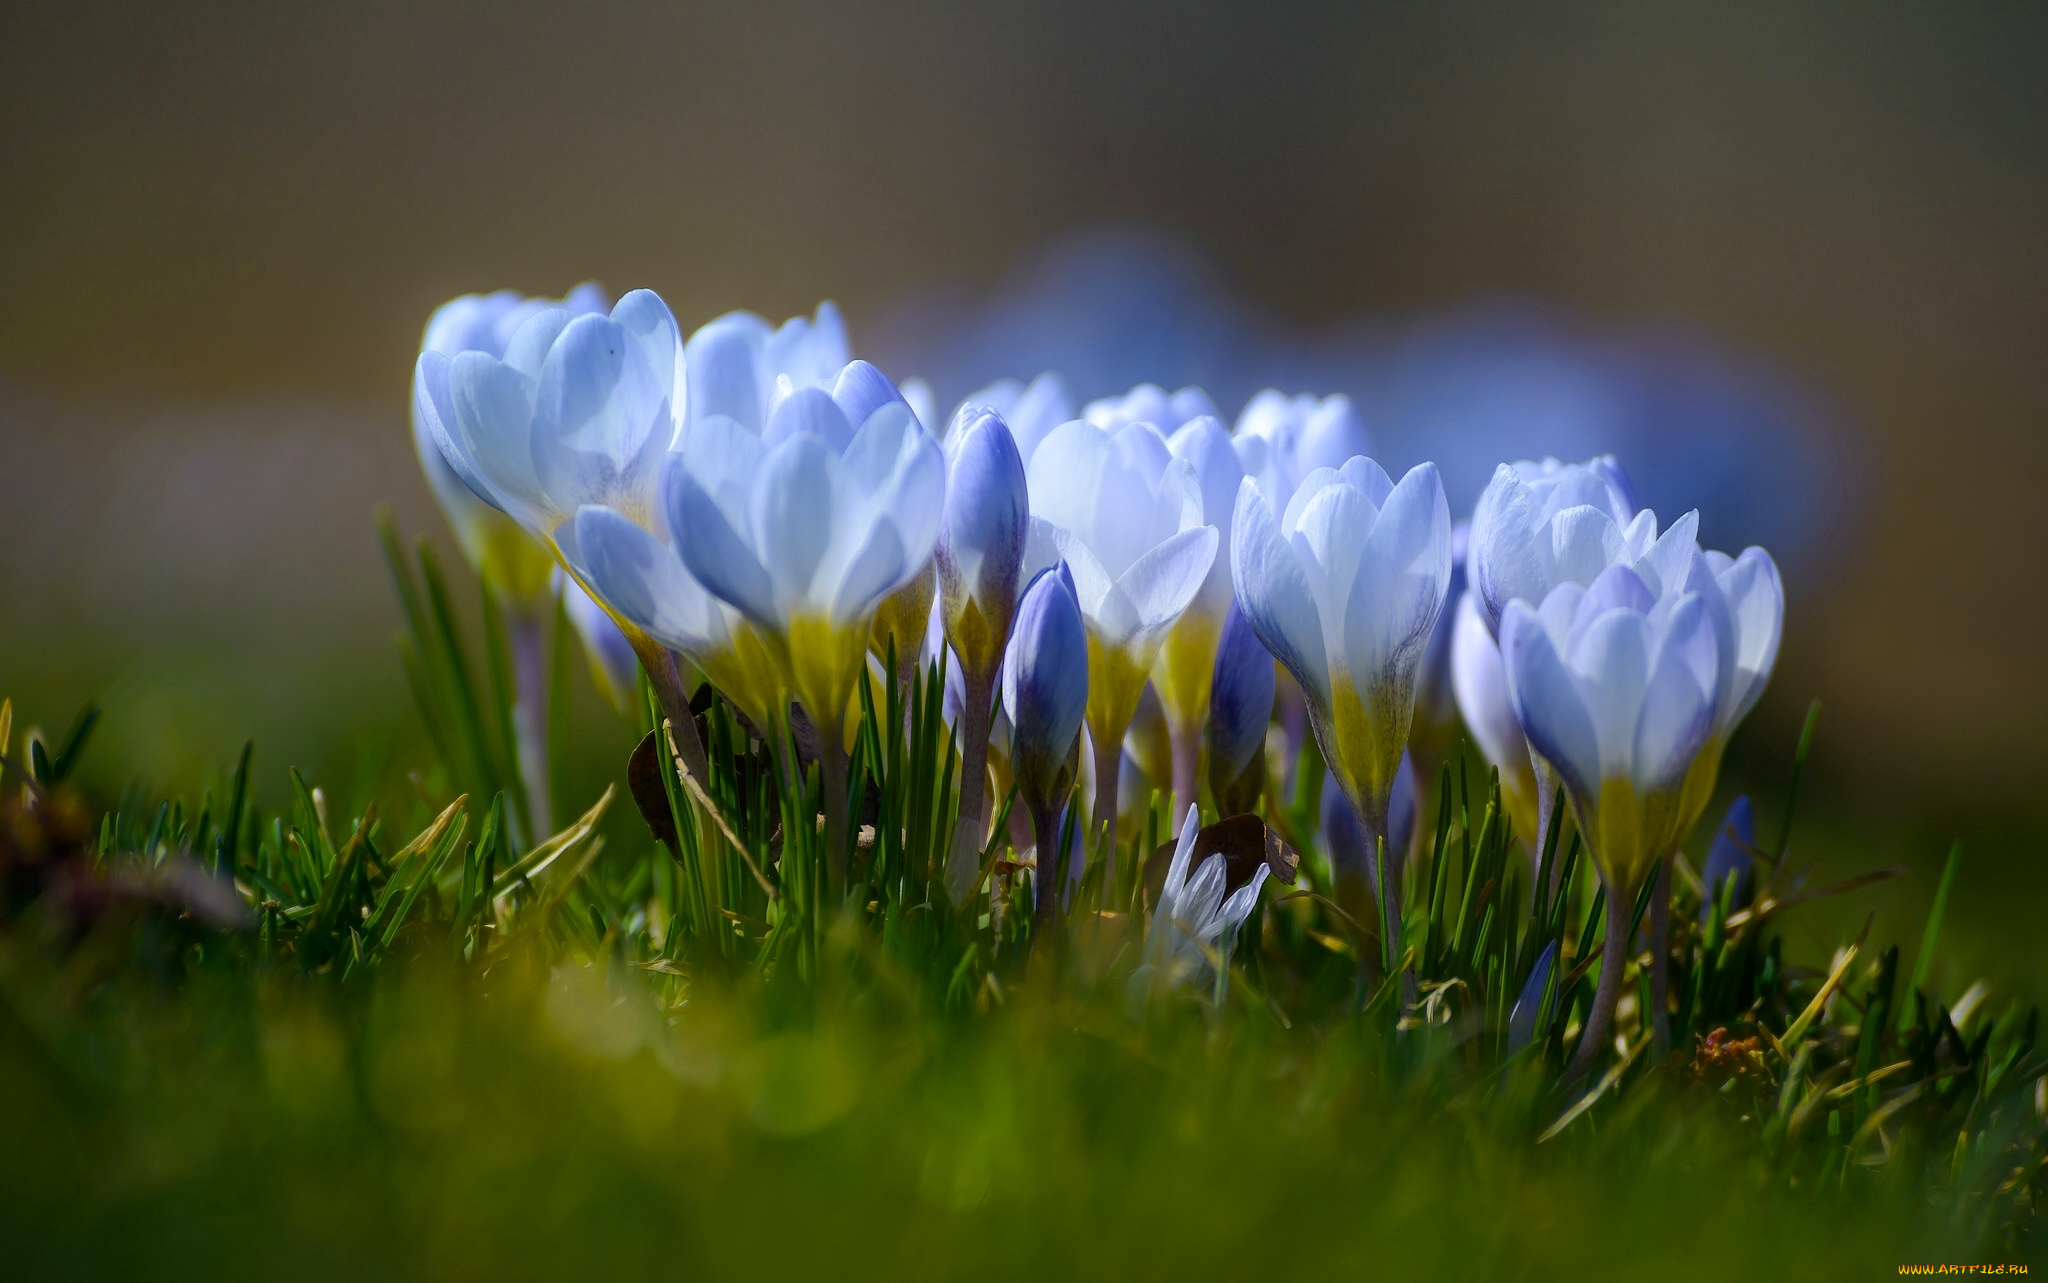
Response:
column 1729, row 858
column 1522, row 1019
column 1032, row 410
column 1241, row 697
column 1045, row 689
column 980, row 552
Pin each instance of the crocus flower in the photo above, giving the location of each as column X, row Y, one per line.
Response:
column 1538, row 525
column 1045, row 694
column 1616, row 688
column 507, row 557
column 1481, row 683
column 980, row 560
column 804, row 530
column 613, row 665
column 1195, row 915
column 1729, row 858
column 1128, row 517
column 1187, row 658
column 1150, row 403
column 740, row 365
column 1344, row 588
column 1281, row 439
column 1241, row 693
column 1032, row 410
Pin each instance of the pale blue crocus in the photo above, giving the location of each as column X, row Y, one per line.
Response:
column 1241, row 694
column 1280, row 439
column 1344, row 588
column 1480, row 681
column 1150, row 403
column 1045, row 697
column 1032, row 410
column 805, row 528
column 1194, row 926
column 1541, row 524
column 1186, row 666
column 980, row 561
column 508, row 558
column 1436, row 701
column 1127, row 517
column 1616, row 688
column 740, row 365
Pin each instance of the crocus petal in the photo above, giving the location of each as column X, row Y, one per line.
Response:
column 1274, row 593
column 1547, row 701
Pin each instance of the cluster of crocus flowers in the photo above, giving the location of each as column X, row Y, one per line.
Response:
column 752, row 504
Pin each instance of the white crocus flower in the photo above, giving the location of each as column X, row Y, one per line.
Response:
column 805, row 529
column 1541, row 524
column 1127, row 517
column 1150, row 403
column 1480, row 681
column 1617, row 688
column 1197, row 916
column 1281, row 439
column 1344, row 588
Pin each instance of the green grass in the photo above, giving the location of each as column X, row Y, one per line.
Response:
column 250, row 1039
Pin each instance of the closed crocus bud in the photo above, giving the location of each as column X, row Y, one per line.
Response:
column 1032, row 410
column 1746, row 600
column 1045, row 694
column 1522, row 1018
column 1538, row 525
column 1344, row 588
column 980, row 551
column 980, row 564
column 1480, row 681
column 1242, row 691
column 1281, row 439
column 1728, row 859
column 613, row 665
column 1187, row 658
column 1127, row 517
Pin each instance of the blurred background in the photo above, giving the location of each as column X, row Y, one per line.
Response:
column 1788, row 259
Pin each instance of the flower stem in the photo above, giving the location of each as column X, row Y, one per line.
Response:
column 660, row 664
column 526, row 635
column 963, row 858
column 1660, row 959
column 832, row 775
column 1187, row 770
column 1613, row 961
column 1045, row 830
column 1109, row 761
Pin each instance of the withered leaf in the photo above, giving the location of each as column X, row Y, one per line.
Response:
column 643, row 779
column 1244, row 841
